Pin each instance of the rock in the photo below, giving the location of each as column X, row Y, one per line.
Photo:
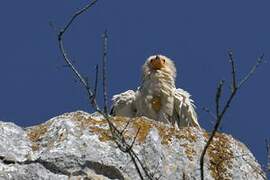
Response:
column 79, row 146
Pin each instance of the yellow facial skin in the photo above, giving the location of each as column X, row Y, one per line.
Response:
column 157, row 63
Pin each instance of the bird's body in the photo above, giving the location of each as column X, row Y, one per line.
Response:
column 157, row 97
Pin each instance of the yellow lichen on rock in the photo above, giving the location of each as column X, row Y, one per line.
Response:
column 35, row 133
column 220, row 155
column 140, row 125
column 103, row 134
column 167, row 133
column 100, row 127
column 189, row 151
column 173, row 152
column 143, row 127
column 87, row 121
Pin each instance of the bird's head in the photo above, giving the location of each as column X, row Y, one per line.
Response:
column 159, row 63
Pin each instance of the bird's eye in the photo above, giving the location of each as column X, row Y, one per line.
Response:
column 163, row 60
column 151, row 60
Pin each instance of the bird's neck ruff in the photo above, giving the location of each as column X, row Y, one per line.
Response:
column 160, row 81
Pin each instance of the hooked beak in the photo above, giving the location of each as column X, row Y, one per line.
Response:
column 157, row 63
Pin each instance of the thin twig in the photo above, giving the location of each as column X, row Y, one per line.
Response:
column 218, row 121
column 218, row 95
column 252, row 71
column 220, row 115
column 124, row 147
column 145, row 169
column 77, row 74
column 210, row 113
column 74, row 16
column 69, row 62
column 104, row 74
column 131, row 154
column 134, row 139
column 231, row 60
column 96, row 83
column 123, row 130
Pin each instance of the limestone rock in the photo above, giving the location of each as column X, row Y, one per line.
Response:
column 79, row 146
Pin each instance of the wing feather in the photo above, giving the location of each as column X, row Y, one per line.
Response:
column 124, row 104
column 184, row 113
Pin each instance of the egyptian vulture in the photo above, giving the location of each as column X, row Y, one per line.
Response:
column 157, row 98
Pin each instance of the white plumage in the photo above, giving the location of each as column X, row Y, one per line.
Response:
column 124, row 104
column 157, row 97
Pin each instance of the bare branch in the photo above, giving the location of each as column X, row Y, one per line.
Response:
column 104, row 74
column 134, row 139
column 218, row 121
column 69, row 62
column 220, row 115
column 124, row 147
column 117, row 136
column 210, row 113
column 231, row 60
column 145, row 169
column 96, row 83
column 252, row 71
column 74, row 16
column 218, row 96
column 78, row 75
column 133, row 158
column 123, row 130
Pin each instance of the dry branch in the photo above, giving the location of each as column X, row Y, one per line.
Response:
column 60, row 36
column 96, row 83
column 117, row 135
column 210, row 113
column 104, row 74
column 220, row 114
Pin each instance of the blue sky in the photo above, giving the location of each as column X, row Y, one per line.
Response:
column 195, row 34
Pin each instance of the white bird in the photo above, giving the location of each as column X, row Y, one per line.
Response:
column 157, row 98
